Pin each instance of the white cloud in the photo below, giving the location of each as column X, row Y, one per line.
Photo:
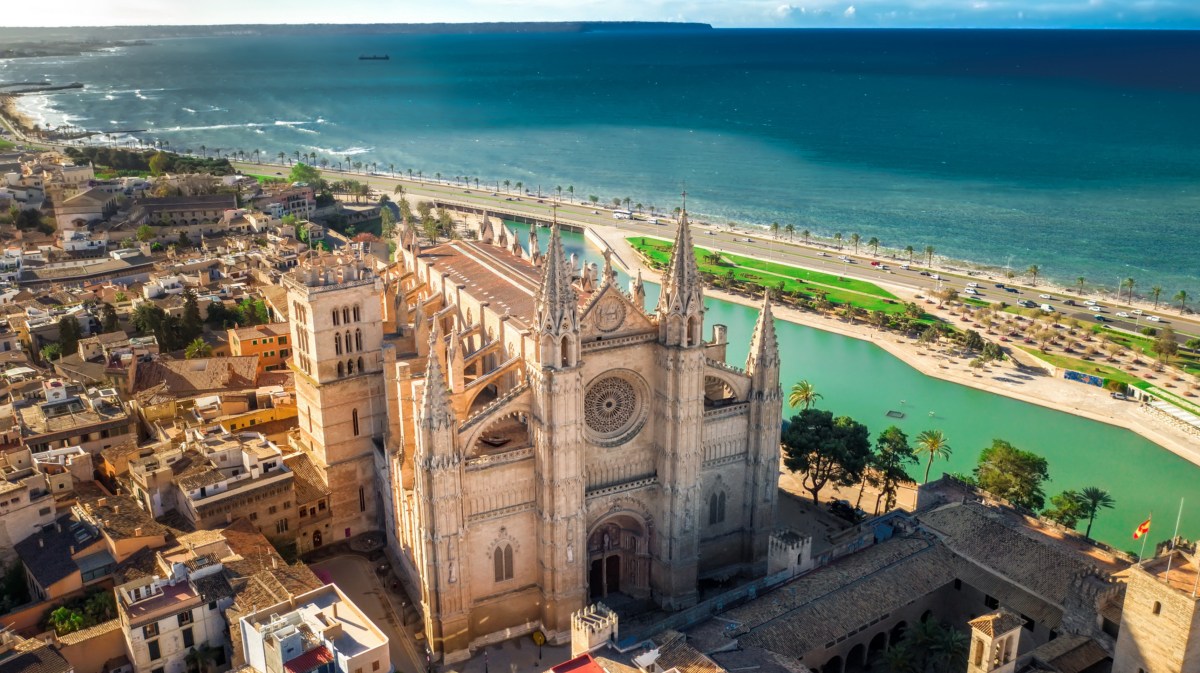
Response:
column 787, row 11
column 850, row 12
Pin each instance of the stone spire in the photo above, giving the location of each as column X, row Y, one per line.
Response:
column 764, row 347
column 436, row 410
column 556, row 304
column 637, row 290
column 682, row 289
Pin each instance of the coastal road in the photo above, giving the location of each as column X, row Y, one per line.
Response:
column 755, row 242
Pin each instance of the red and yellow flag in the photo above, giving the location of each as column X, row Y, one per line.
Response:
column 1142, row 530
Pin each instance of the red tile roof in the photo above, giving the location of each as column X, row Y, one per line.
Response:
column 584, row 663
column 309, row 660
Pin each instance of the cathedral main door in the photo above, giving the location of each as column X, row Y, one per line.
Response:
column 619, row 560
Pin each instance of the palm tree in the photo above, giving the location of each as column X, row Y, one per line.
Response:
column 934, row 443
column 1154, row 292
column 1129, row 283
column 803, row 395
column 775, row 230
column 438, row 175
column 571, row 191
column 1093, row 500
column 519, row 185
column 874, row 243
column 791, row 230
column 1181, row 297
column 198, row 348
column 1080, row 281
column 929, row 255
column 838, row 239
column 506, row 185
column 1034, row 270
column 806, row 234
column 203, row 151
column 855, row 238
column 281, row 155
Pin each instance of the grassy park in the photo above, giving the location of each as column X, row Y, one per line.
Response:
column 789, row 279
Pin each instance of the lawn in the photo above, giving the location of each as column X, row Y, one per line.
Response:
column 767, row 274
column 1084, row 366
column 6, row 145
column 1185, row 359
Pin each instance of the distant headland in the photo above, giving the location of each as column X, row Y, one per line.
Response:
column 113, row 35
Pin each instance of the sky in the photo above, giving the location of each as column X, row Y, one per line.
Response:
column 1184, row 14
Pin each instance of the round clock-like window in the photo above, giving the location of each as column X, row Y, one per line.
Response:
column 614, row 408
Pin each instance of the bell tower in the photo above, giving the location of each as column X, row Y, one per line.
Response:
column 766, row 417
column 994, row 641
column 336, row 328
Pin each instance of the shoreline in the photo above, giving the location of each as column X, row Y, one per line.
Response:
column 1045, row 391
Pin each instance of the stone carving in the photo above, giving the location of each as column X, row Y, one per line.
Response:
column 610, row 314
column 614, row 408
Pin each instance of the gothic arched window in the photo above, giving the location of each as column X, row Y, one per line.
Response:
column 346, row 315
column 350, row 366
column 341, row 370
column 354, row 420
column 335, row 316
column 348, row 342
column 361, row 369
column 502, row 563
column 356, row 314
column 716, row 508
column 358, row 339
column 337, row 343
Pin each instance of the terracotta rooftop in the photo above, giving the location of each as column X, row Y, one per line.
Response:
column 996, row 623
column 308, row 482
column 310, row 660
column 183, row 378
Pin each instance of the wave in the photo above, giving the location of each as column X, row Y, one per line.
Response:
column 109, row 96
column 188, row 109
column 348, row 152
column 304, row 130
column 321, row 120
column 138, row 93
column 279, row 123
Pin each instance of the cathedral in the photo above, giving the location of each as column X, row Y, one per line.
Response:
column 531, row 439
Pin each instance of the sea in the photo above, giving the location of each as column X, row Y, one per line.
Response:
column 1077, row 151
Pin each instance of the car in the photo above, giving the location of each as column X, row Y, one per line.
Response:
column 509, row 198
column 1100, row 318
column 1136, row 311
column 1153, row 318
column 1090, row 302
column 883, row 267
column 972, row 284
column 495, row 194
column 904, row 266
column 935, row 276
column 1045, row 296
column 1047, row 308
column 711, row 233
column 1000, row 285
column 924, row 273
column 1012, row 290
column 595, row 212
column 1069, row 302
column 1122, row 314
column 1118, row 396
column 822, row 254
column 844, row 510
column 970, row 290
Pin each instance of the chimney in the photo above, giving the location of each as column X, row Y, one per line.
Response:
column 101, row 502
column 72, row 550
column 274, row 563
column 137, row 532
column 41, row 542
column 116, row 509
column 58, row 526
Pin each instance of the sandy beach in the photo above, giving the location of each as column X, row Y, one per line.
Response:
column 1009, row 378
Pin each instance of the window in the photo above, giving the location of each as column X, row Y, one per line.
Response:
column 303, row 512
column 160, row 669
column 281, row 526
column 990, row 602
column 362, row 499
column 188, row 639
column 502, row 561
column 1157, row 607
column 254, row 516
column 272, row 509
column 155, row 653
column 356, row 314
column 357, row 339
column 341, row 373
column 957, row 584
column 321, row 506
column 346, row 315
column 335, row 317
column 212, row 606
column 349, row 366
column 287, row 504
column 349, row 343
column 716, row 508
column 337, row 344
column 374, row 664
column 185, row 617
column 283, row 353
column 354, row 420
column 283, row 341
column 360, row 365
column 150, row 630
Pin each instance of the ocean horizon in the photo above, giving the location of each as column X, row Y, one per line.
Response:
column 1075, row 150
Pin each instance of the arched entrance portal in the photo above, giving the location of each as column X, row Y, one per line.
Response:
column 316, row 539
column 619, row 558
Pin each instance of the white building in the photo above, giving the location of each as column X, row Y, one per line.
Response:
column 321, row 631
column 26, row 503
column 164, row 617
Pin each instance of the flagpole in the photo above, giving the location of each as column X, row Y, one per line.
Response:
column 1175, row 535
column 1142, row 554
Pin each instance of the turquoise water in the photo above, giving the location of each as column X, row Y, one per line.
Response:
column 1075, row 150
column 858, row 379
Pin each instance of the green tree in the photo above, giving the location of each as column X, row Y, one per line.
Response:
column 147, row 318
column 387, row 221
column 934, row 444
column 159, row 163
column 826, row 449
column 109, row 322
column 1181, row 297
column 1155, row 292
column 198, row 348
column 929, row 250
column 991, row 351
column 1094, row 499
column 909, row 249
column 51, row 352
column 191, row 323
column 1066, row 508
column 928, row 647
column 1129, row 283
column 69, row 333
column 803, row 394
column 1165, row 345
column 855, row 239
column 1012, row 474
column 775, row 230
column 874, row 243
column 893, row 455
column 1079, row 282
column 791, row 230
column 145, row 233
column 66, row 620
column 972, row 341
column 1034, row 270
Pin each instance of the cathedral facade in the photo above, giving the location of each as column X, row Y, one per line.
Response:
column 548, row 442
